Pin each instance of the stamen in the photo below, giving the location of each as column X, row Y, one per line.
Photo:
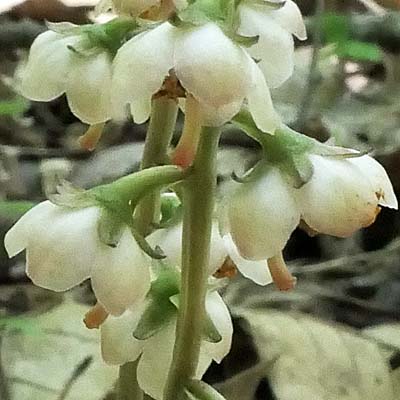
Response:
column 281, row 276
column 89, row 140
column 95, row 317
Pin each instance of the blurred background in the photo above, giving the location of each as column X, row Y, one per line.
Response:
column 337, row 336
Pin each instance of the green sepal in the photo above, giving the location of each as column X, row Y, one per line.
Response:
column 298, row 170
column 271, row 4
column 246, row 41
column 155, row 253
column 118, row 201
column 130, row 189
column 202, row 11
column 110, row 228
column 109, row 36
column 245, row 122
column 199, row 390
column 72, row 197
column 159, row 310
column 286, row 149
column 210, row 332
column 171, row 210
column 276, row 4
column 250, row 176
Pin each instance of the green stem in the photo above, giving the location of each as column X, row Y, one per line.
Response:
column 133, row 187
column 198, row 200
column 158, row 138
column 159, row 133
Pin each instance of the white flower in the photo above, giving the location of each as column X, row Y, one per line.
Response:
column 119, row 346
column 261, row 215
column 342, row 196
column 63, row 249
column 218, row 73
column 170, row 240
column 54, row 68
column 275, row 47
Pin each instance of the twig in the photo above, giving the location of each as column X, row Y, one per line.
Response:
column 312, row 81
column 78, row 371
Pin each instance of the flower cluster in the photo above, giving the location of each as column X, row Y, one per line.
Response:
column 217, row 59
column 125, row 62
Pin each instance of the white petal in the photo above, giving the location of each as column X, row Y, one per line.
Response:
column 218, row 116
column 257, row 271
column 379, row 180
column 153, row 368
column 17, row 238
column 211, row 67
column 262, row 216
column 118, row 346
column 339, row 199
column 140, row 68
column 289, row 17
column 218, row 252
column 121, row 275
column 275, row 47
column 260, row 103
column 170, row 240
column 88, row 88
column 45, row 75
column 61, row 246
column 219, row 313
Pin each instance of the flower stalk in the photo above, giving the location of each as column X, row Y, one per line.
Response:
column 158, row 138
column 198, row 200
column 159, row 134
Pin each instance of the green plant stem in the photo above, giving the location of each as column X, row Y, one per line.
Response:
column 198, row 200
column 160, row 130
column 158, row 138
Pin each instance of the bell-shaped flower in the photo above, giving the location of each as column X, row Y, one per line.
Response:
column 344, row 195
column 76, row 61
column 120, row 345
column 274, row 23
column 210, row 66
column 54, row 68
column 63, row 249
column 341, row 196
column 221, row 58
